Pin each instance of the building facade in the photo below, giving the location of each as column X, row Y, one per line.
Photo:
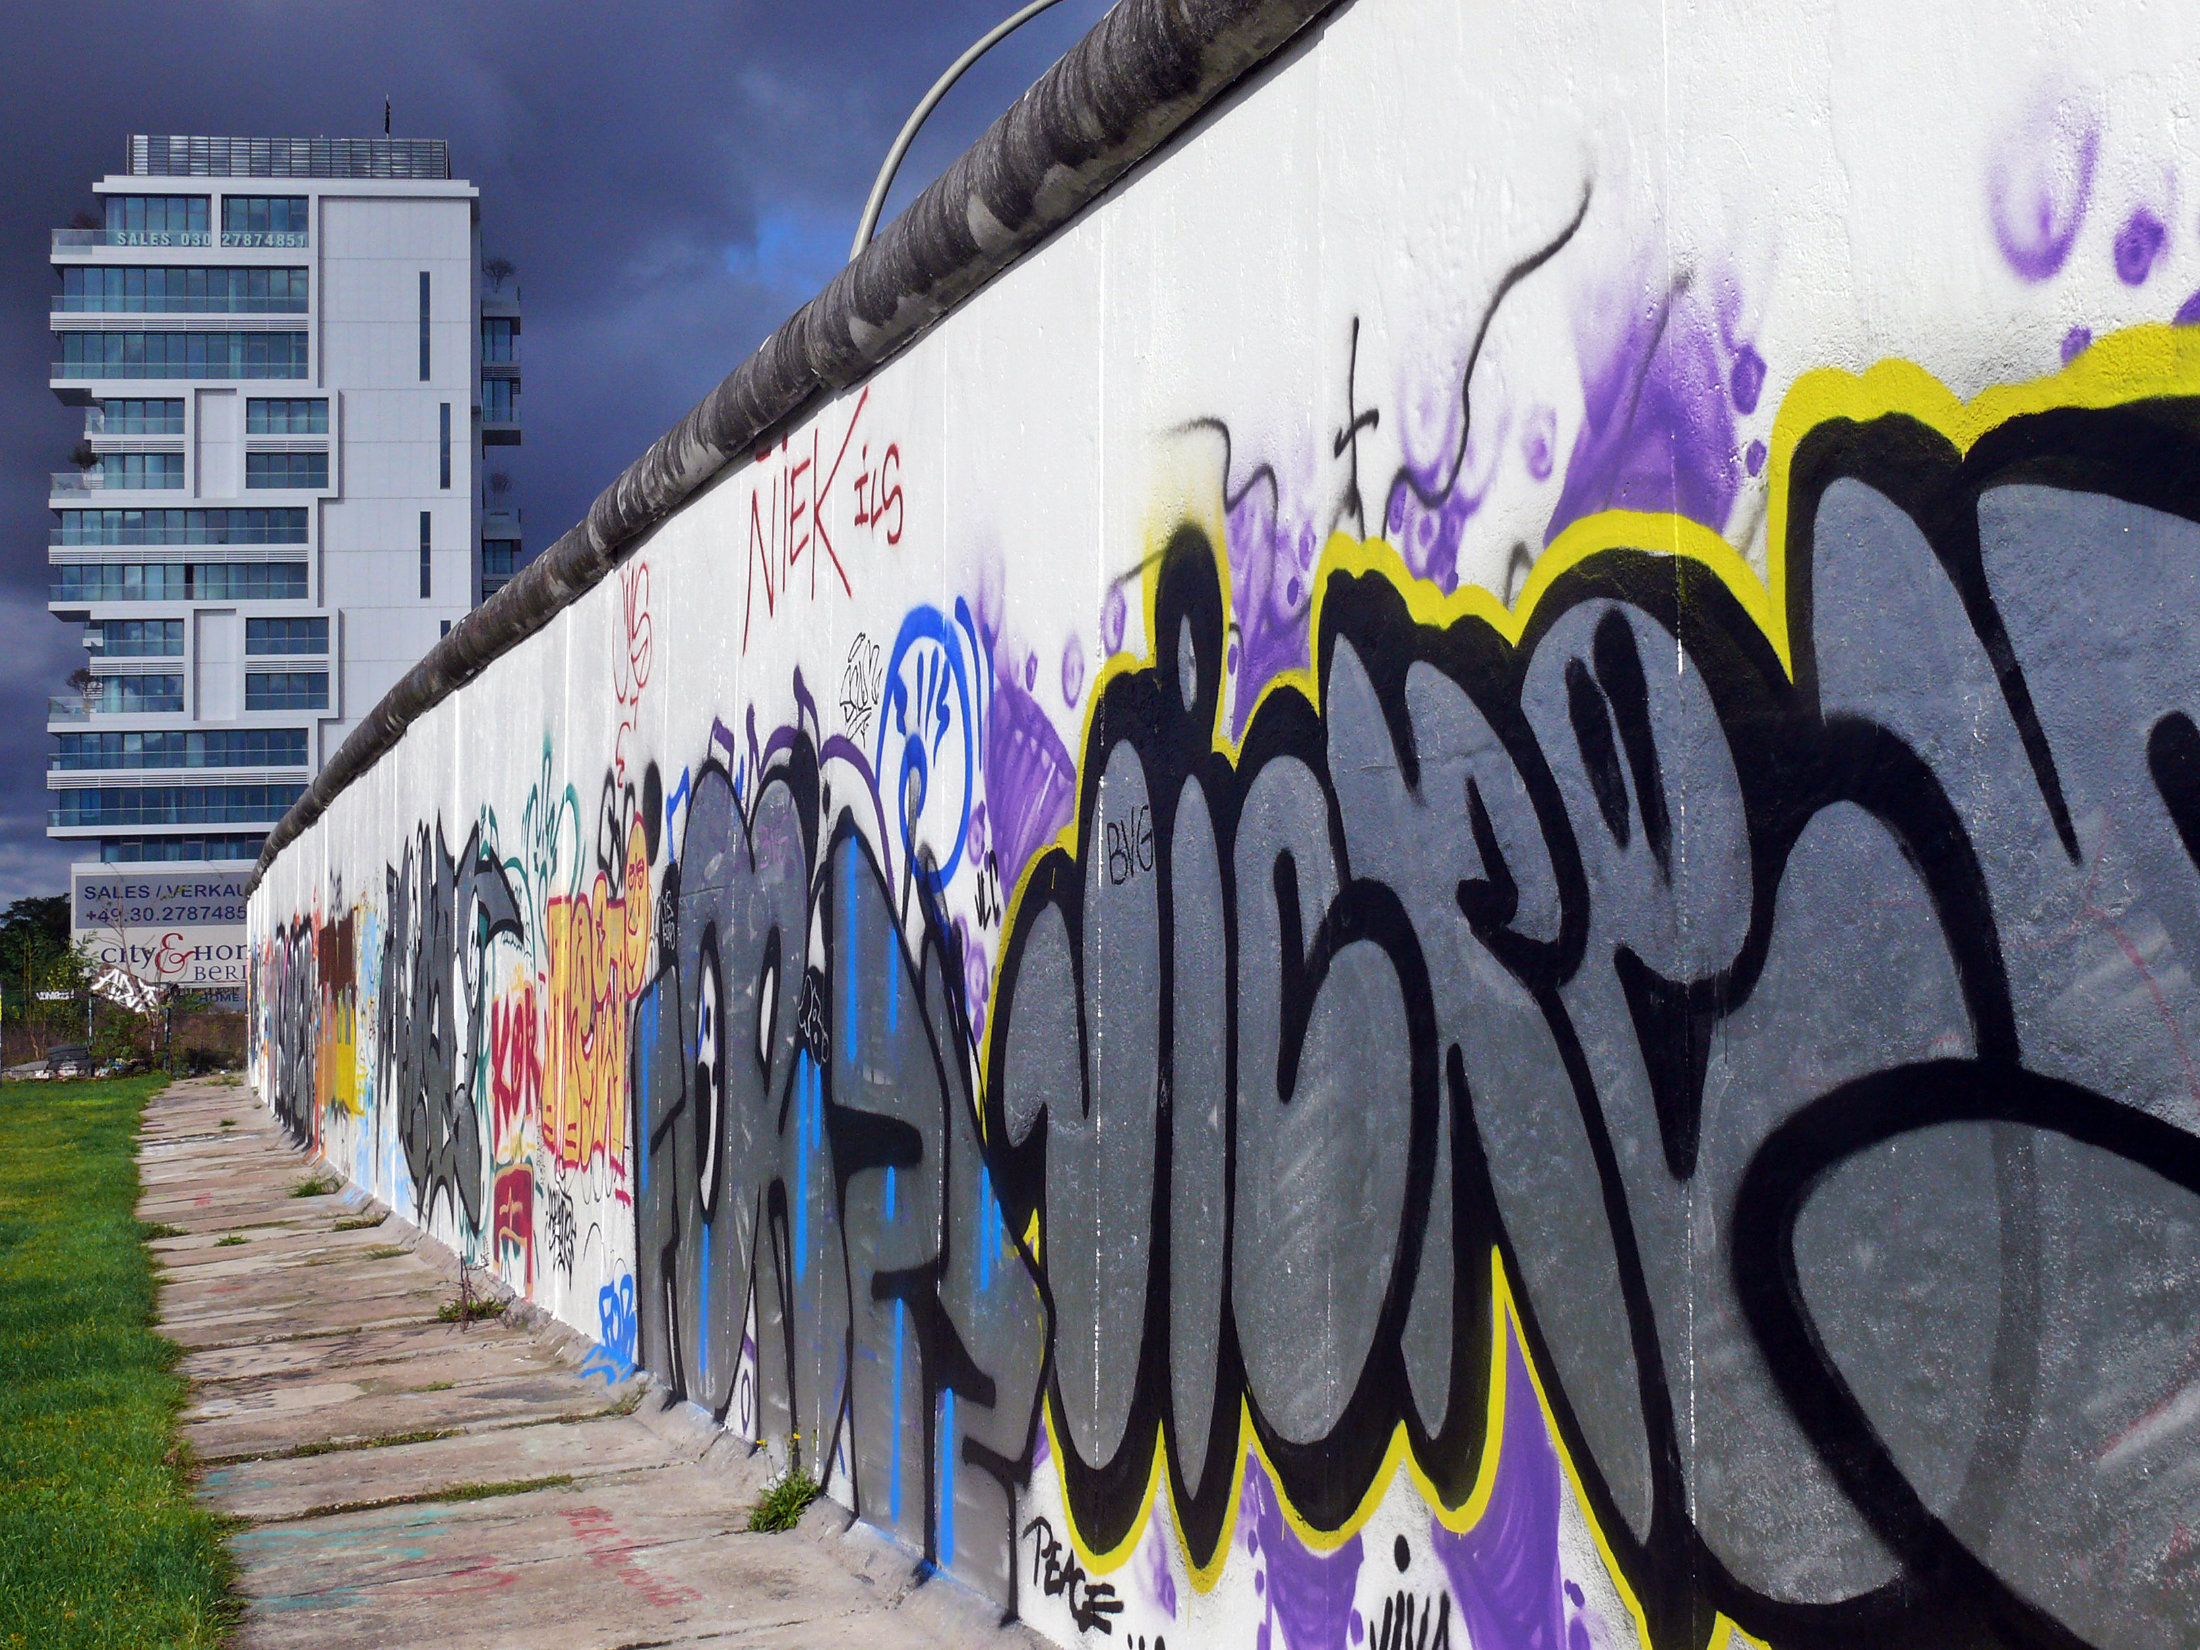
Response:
column 295, row 380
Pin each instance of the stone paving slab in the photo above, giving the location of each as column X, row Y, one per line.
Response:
column 272, row 1323
column 345, row 1349
column 290, row 1488
column 404, row 1481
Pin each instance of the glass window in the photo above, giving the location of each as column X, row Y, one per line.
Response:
column 123, row 695
column 499, row 401
column 264, row 220
column 138, row 638
column 426, row 569
column 294, row 417
column 175, row 805
column 178, row 748
column 285, row 470
column 446, row 444
column 286, row 636
column 169, row 581
column 423, row 326
column 500, row 560
column 156, row 289
column 181, row 355
column 144, row 471
column 170, row 850
column 157, row 220
column 277, row 526
column 286, row 690
column 499, row 339
column 139, row 417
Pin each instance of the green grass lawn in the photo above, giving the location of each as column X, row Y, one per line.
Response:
column 100, row 1543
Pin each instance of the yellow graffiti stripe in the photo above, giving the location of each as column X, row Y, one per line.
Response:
column 2136, row 364
column 1505, row 1332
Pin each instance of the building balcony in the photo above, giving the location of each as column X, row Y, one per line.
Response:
column 131, row 807
column 217, row 525
column 83, row 776
column 80, row 483
column 500, row 412
column 63, row 372
column 166, row 419
column 95, row 303
column 67, row 708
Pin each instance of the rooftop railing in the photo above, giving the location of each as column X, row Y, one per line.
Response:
column 161, row 156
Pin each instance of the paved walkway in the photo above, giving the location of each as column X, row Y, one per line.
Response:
column 404, row 1481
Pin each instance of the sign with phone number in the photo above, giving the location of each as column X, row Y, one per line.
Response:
column 168, row 928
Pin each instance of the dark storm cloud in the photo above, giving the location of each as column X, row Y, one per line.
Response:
column 671, row 181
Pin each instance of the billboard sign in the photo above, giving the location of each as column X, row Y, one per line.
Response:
column 181, row 928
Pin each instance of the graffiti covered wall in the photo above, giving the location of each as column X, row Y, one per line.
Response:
column 1435, row 893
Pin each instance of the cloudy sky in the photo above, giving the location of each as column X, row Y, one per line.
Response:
column 672, row 181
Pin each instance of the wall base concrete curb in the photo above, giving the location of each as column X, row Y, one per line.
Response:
column 931, row 1599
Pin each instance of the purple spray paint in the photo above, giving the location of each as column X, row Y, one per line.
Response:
column 1539, row 441
column 1442, row 487
column 1308, row 1593
column 1746, row 378
column 1271, row 570
column 1029, row 780
column 2138, row 244
column 1073, row 672
column 1505, row 1570
column 2039, row 184
column 1657, row 429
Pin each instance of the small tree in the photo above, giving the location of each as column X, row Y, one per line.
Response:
column 499, row 270
column 127, row 1014
column 36, row 955
column 117, row 1034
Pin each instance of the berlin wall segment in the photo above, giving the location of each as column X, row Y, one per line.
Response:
column 1650, row 1103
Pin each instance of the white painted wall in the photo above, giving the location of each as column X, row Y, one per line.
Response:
column 1763, row 195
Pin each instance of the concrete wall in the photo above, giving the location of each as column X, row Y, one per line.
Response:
column 1436, row 892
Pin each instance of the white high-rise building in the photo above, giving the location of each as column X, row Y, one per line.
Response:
column 295, row 378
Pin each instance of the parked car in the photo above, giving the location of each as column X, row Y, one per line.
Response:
column 69, row 1060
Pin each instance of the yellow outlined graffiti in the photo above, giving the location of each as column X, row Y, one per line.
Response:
column 2135, row 365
